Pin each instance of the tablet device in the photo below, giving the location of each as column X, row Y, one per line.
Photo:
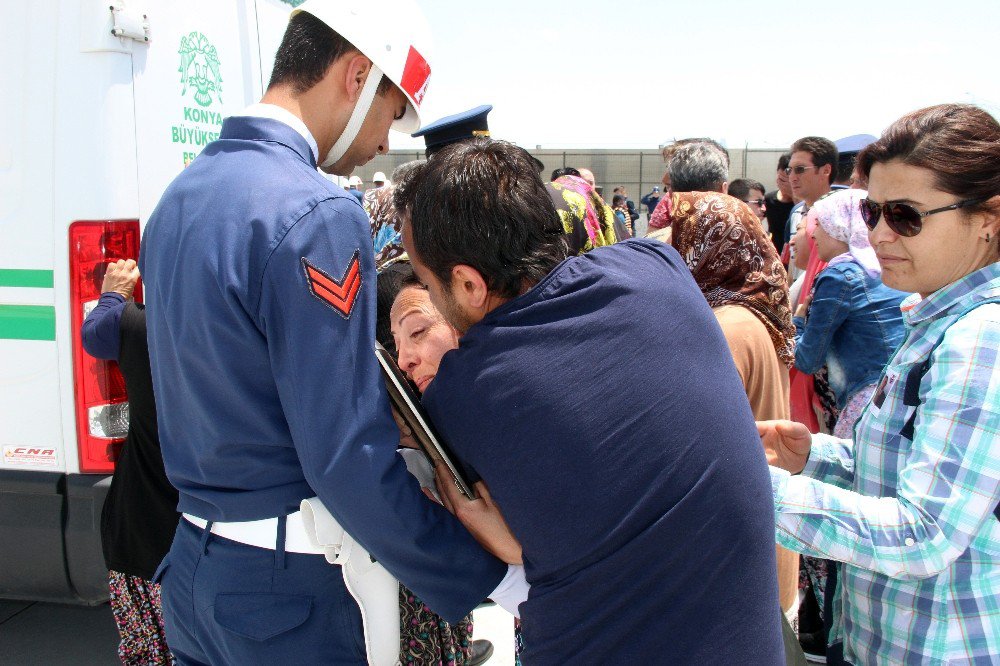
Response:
column 407, row 403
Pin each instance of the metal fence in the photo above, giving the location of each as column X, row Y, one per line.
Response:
column 637, row 170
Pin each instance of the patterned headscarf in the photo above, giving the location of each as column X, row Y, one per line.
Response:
column 587, row 221
column 733, row 261
column 386, row 227
column 840, row 216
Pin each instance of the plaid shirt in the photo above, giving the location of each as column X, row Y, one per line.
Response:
column 913, row 520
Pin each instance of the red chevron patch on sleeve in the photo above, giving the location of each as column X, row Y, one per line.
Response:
column 338, row 294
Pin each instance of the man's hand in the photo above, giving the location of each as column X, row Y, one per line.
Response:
column 786, row 444
column 406, row 438
column 480, row 516
column 121, row 278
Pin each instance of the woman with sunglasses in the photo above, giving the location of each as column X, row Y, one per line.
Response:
column 910, row 505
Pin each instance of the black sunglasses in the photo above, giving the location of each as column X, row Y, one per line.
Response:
column 799, row 170
column 904, row 219
column 759, row 202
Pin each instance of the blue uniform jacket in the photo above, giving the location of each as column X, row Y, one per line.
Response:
column 260, row 306
column 648, row 530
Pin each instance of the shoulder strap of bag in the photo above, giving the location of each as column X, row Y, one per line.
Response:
column 911, row 389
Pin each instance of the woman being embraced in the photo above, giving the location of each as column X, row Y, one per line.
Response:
column 909, row 506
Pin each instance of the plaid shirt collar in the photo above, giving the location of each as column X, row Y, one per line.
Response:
column 983, row 283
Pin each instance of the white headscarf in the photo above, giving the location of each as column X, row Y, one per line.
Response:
column 839, row 213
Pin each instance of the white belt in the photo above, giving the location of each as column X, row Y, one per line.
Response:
column 264, row 533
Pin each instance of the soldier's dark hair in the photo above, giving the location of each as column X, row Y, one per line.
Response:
column 481, row 203
column 845, row 167
column 306, row 53
column 783, row 161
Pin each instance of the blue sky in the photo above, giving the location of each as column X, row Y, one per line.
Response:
column 635, row 74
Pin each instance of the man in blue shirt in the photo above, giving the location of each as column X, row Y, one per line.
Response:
column 647, row 535
column 261, row 315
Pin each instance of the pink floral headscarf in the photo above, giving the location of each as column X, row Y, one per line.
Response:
column 839, row 214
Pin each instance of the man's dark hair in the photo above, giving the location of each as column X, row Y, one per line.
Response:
column 740, row 188
column 845, row 167
column 306, row 53
column 823, row 152
column 481, row 203
column 564, row 171
column 783, row 161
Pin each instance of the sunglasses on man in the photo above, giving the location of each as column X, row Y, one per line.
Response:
column 904, row 219
column 758, row 202
column 798, row 170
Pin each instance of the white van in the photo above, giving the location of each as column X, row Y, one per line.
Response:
column 101, row 105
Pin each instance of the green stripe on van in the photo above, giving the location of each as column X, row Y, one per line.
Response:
column 17, row 277
column 27, row 322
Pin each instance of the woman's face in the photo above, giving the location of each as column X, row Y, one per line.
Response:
column 421, row 334
column 801, row 246
column 949, row 246
column 827, row 247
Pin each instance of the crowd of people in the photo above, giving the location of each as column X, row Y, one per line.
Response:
column 763, row 433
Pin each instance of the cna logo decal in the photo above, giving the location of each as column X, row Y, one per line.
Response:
column 200, row 68
column 36, row 456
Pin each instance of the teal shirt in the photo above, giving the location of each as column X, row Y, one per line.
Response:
column 913, row 521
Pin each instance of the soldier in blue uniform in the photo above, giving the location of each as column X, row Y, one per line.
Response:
column 460, row 127
column 261, row 315
column 456, row 127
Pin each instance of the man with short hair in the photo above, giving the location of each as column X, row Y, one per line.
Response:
column 779, row 203
column 811, row 170
column 750, row 192
column 608, row 511
column 261, row 319
column 651, row 200
column 847, row 151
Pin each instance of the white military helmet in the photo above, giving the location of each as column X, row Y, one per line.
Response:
column 394, row 35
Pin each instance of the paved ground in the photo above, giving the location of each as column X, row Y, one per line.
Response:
column 39, row 633
column 36, row 634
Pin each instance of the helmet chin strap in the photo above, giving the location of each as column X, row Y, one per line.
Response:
column 361, row 109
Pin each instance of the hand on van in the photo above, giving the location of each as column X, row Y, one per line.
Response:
column 121, row 277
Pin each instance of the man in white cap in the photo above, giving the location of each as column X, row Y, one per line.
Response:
column 378, row 179
column 356, row 187
column 261, row 311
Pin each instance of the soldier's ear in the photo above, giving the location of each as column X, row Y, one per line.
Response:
column 357, row 70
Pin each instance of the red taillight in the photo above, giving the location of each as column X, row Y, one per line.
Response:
column 101, row 401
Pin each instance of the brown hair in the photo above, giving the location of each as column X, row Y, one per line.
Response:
column 823, row 152
column 960, row 143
